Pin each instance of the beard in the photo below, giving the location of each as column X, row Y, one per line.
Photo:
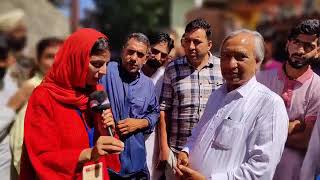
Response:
column 298, row 64
column 153, row 63
column 16, row 44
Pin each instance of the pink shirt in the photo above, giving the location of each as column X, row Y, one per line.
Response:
column 300, row 96
column 302, row 101
column 272, row 64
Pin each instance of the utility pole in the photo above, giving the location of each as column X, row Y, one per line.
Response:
column 74, row 15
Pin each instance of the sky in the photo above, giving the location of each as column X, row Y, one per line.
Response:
column 84, row 4
column 89, row 4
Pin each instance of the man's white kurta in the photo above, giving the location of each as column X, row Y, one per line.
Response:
column 311, row 164
column 241, row 134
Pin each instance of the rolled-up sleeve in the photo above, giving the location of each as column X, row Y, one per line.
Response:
column 166, row 97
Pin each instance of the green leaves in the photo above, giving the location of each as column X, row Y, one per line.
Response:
column 118, row 18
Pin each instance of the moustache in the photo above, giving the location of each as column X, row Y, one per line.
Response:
column 153, row 63
column 297, row 54
column 132, row 62
column 306, row 57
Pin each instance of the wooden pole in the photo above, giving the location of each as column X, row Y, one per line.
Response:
column 74, row 15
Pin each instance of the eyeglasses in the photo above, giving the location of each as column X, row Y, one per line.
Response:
column 306, row 46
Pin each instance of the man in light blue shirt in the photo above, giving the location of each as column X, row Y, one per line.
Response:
column 134, row 105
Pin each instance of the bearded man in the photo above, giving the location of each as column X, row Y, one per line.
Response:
column 297, row 84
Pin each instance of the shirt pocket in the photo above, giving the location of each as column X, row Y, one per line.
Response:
column 228, row 133
column 138, row 107
column 184, row 90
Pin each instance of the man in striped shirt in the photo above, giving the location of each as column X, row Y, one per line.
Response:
column 187, row 85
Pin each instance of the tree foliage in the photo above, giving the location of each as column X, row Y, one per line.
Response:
column 118, row 18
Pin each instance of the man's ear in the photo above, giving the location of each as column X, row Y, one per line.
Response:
column 148, row 55
column 287, row 43
column 145, row 61
column 258, row 65
column 210, row 45
column 317, row 53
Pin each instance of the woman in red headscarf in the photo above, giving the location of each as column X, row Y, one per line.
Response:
column 58, row 129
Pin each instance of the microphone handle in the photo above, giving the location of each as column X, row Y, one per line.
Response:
column 110, row 131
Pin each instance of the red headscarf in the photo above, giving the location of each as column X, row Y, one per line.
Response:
column 66, row 80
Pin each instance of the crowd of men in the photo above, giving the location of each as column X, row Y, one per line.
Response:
column 197, row 116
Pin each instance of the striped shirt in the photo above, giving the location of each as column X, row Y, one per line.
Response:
column 184, row 95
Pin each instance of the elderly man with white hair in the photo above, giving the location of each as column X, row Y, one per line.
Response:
column 242, row 132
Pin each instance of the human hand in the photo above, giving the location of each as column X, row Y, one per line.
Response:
column 292, row 126
column 300, row 127
column 20, row 97
column 189, row 173
column 106, row 145
column 15, row 103
column 107, row 119
column 183, row 159
column 130, row 125
column 314, row 54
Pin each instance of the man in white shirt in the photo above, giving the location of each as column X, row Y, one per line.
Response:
column 242, row 132
column 7, row 111
column 311, row 163
column 161, row 45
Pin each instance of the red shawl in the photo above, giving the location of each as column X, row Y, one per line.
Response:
column 67, row 78
column 66, row 84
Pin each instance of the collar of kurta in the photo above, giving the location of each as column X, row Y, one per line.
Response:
column 243, row 90
column 302, row 79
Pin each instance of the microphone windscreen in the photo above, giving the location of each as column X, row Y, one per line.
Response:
column 99, row 101
column 100, row 96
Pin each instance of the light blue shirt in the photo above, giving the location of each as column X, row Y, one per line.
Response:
column 132, row 99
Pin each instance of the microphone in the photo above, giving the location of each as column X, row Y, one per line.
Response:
column 99, row 102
